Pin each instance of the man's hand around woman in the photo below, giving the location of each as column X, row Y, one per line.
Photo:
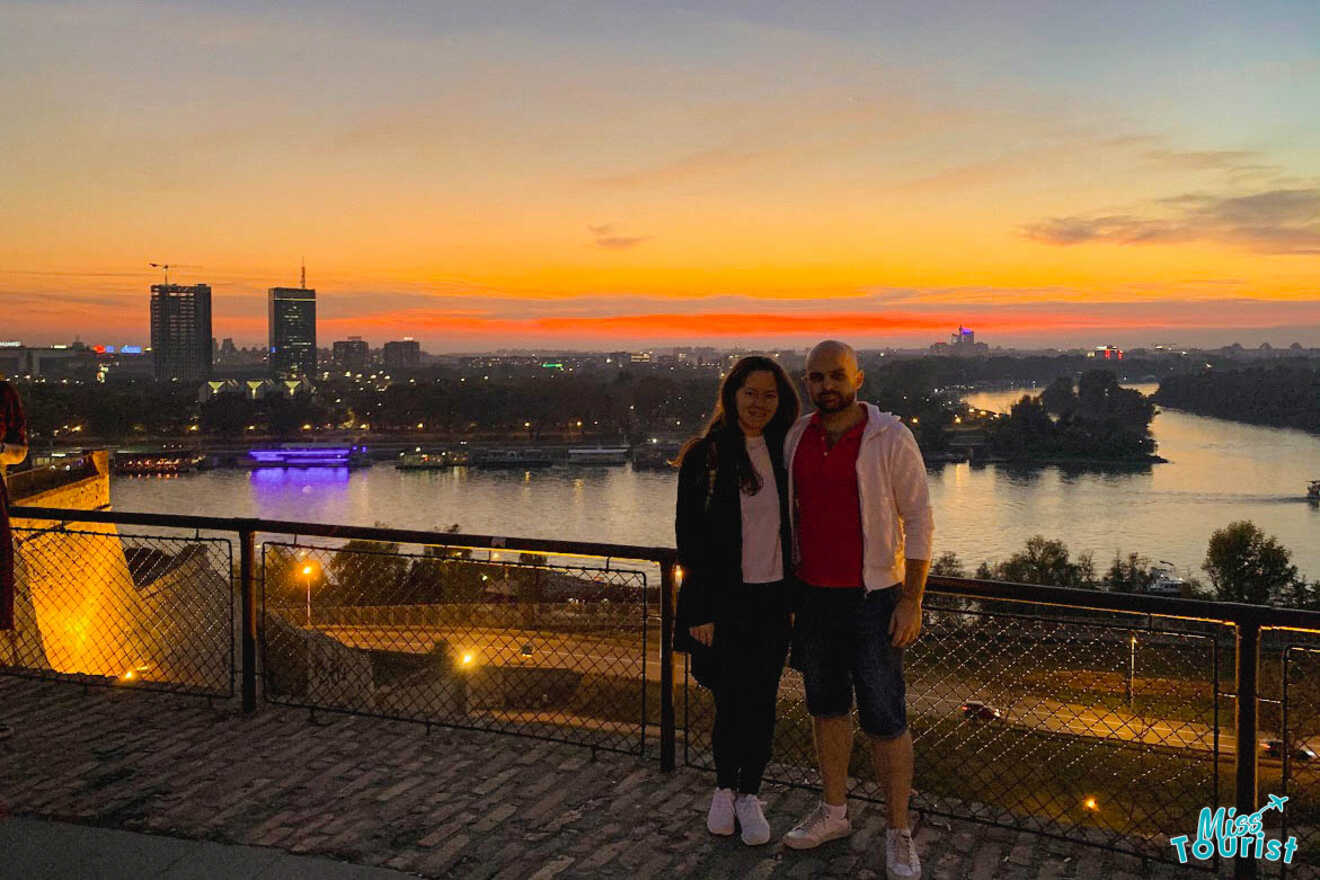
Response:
column 705, row 633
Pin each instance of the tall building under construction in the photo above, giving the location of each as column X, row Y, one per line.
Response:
column 181, row 331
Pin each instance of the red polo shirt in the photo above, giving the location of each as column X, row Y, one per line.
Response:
column 829, row 511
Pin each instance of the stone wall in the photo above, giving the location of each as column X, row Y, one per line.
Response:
column 79, row 609
column 54, row 621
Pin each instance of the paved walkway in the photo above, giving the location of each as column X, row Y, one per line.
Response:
column 386, row 794
column 41, row 850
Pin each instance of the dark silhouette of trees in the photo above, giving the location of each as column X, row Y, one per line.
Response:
column 1045, row 562
column 1246, row 565
column 1100, row 421
column 1059, row 399
column 1132, row 574
column 948, row 564
column 367, row 573
column 1281, row 395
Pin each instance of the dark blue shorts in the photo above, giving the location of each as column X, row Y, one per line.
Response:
column 841, row 644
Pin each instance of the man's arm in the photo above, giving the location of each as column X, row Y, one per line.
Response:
column 912, row 499
column 905, row 625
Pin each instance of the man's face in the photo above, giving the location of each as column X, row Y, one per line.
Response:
column 833, row 380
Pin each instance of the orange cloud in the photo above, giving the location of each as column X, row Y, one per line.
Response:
column 750, row 325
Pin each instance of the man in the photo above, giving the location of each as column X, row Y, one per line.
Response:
column 862, row 535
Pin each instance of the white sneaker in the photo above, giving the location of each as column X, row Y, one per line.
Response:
column 720, row 818
column 817, row 828
column 755, row 829
column 901, row 862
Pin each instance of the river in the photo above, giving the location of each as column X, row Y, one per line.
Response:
column 1218, row 472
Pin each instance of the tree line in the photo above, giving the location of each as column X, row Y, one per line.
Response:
column 1280, row 395
column 1242, row 564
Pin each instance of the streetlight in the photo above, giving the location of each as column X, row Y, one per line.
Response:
column 1132, row 668
column 307, row 576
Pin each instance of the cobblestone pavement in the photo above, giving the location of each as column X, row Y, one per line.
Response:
column 447, row 803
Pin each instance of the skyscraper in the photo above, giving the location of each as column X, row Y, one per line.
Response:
column 181, row 331
column 292, row 331
column 405, row 354
column 351, row 354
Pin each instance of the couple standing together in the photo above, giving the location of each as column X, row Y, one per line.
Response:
column 812, row 533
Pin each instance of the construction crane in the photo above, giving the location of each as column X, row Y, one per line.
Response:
column 166, row 267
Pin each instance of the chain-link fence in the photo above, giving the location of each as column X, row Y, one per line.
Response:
column 1030, row 707
column 1293, row 758
column 146, row 611
column 517, row 644
column 1098, row 727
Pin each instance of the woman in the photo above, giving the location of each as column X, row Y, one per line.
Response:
column 13, row 449
column 733, row 608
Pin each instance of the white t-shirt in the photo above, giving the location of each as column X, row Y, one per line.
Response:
column 762, row 558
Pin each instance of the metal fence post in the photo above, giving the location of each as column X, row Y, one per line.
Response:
column 247, row 540
column 667, row 732
column 1248, row 674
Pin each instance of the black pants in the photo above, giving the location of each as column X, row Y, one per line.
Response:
column 751, row 642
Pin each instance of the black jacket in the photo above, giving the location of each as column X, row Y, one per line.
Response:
column 708, row 528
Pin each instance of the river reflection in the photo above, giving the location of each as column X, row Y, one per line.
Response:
column 1218, row 472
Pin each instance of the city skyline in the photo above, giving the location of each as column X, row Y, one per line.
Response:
column 622, row 176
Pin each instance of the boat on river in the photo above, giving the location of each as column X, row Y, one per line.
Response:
column 307, row 455
column 431, row 461
column 510, row 459
column 655, row 456
column 598, row 455
column 1165, row 580
column 161, row 461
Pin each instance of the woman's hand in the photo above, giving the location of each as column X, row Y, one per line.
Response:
column 705, row 633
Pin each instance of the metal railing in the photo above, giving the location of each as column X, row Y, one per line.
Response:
column 1236, row 636
column 579, row 685
column 1112, row 723
column 521, row 645
column 153, row 612
column 1297, row 751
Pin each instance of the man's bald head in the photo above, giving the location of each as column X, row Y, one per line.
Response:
column 833, row 376
column 832, row 351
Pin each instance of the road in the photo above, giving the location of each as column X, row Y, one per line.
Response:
column 588, row 654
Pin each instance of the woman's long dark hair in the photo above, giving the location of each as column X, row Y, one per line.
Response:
column 724, row 425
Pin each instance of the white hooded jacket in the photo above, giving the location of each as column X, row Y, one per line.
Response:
column 897, row 522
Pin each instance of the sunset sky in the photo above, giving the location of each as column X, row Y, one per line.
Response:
column 605, row 175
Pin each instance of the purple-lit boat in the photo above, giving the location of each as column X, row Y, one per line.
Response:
column 308, row 456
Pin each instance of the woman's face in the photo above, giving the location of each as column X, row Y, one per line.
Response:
column 758, row 400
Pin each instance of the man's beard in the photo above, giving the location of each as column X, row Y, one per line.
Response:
column 839, row 401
